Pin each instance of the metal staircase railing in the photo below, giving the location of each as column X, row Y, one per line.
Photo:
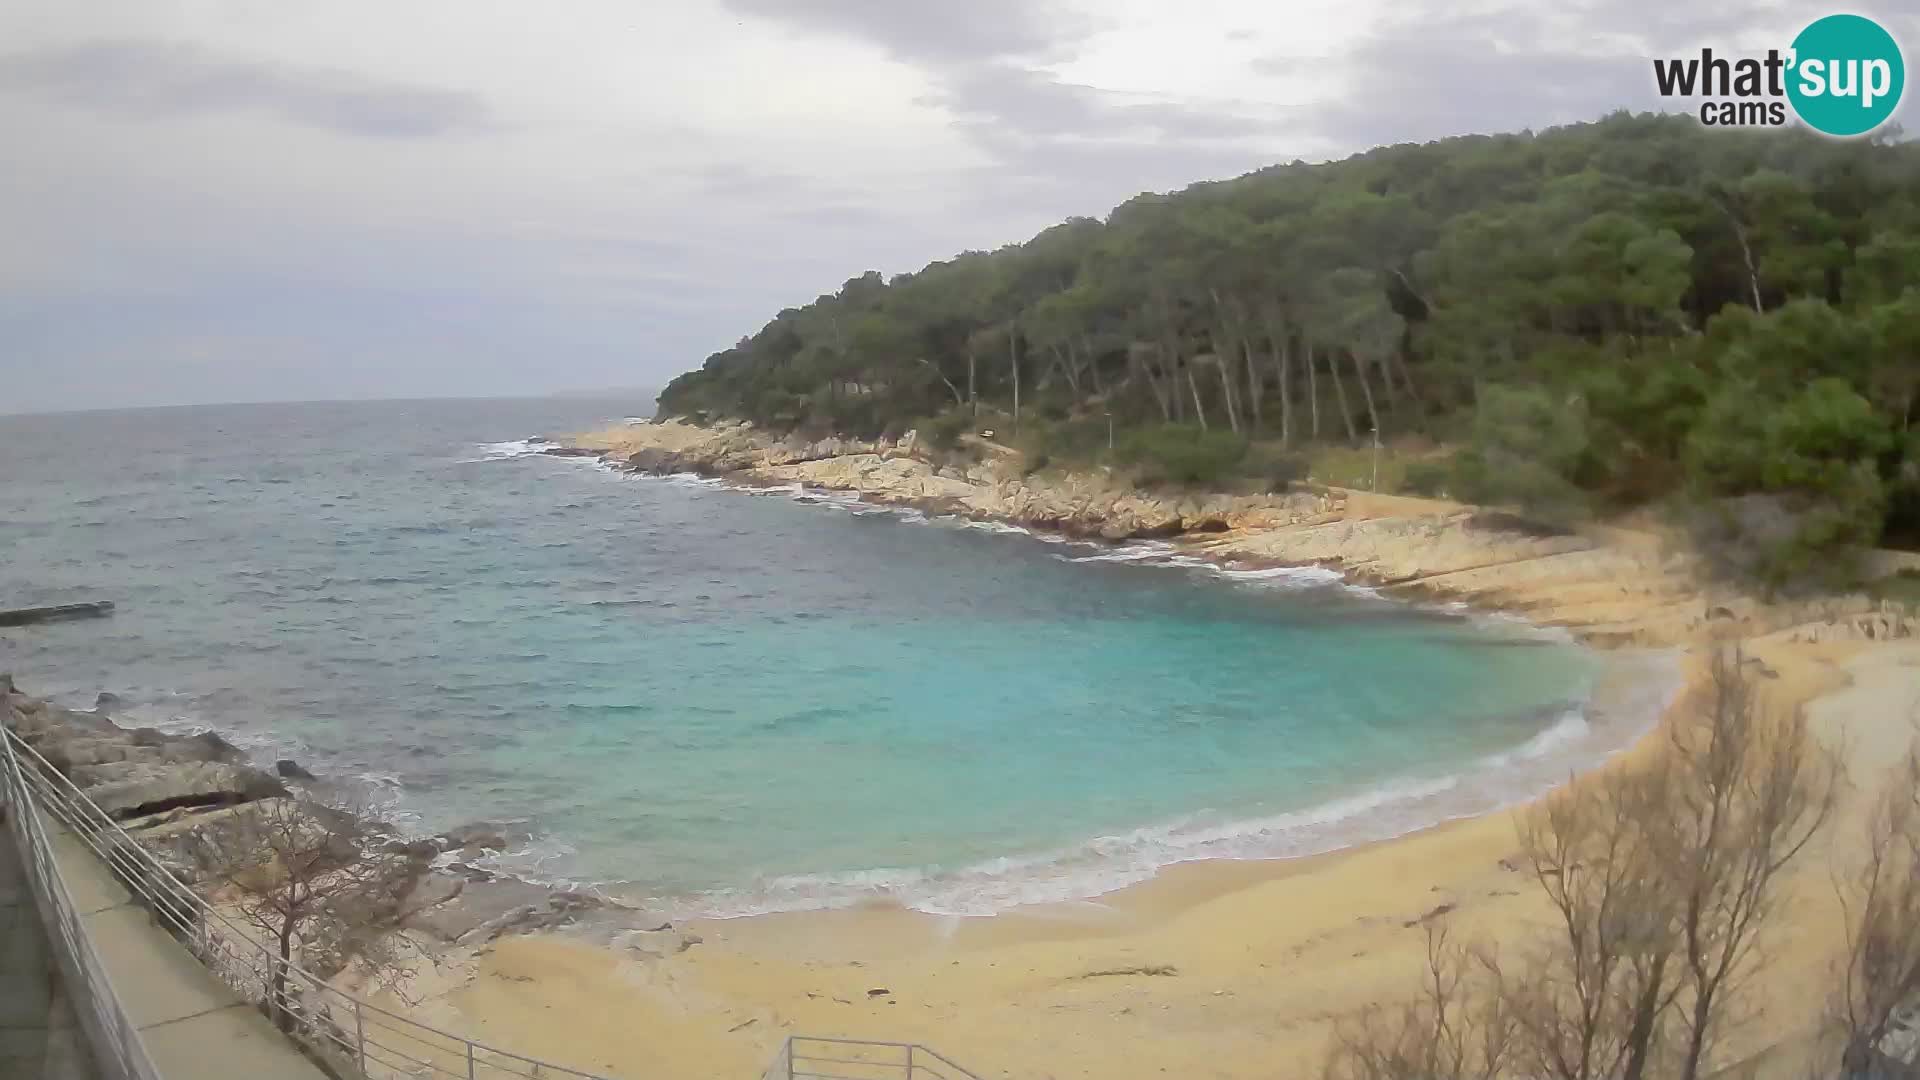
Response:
column 804, row 1057
column 113, row 1041
column 353, row 1036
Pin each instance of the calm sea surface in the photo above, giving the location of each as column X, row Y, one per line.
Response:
column 734, row 702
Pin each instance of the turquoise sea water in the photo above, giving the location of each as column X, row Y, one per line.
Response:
column 732, row 702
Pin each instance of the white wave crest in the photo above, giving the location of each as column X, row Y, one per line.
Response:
column 511, row 448
column 1098, row 866
column 1570, row 729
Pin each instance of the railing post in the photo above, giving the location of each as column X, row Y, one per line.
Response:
column 360, row 1036
column 789, row 1057
column 469, row 1059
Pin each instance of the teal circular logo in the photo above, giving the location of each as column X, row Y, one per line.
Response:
column 1847, row 75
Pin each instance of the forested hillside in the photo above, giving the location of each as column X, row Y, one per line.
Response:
column 1583, row 320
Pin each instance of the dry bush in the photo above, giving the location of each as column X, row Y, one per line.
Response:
column 1593, row 998
column 1879, row 974
column 1749, row 793
column 309, row 878
column 1662, row 878
column 1457, row 1029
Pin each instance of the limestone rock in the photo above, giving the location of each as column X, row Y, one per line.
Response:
column 127, row 789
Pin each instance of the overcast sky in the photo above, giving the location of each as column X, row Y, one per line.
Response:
column 213, row 201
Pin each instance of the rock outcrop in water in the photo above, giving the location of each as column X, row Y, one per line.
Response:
column 166, row 789
column 1607, row 586
column 135, row 773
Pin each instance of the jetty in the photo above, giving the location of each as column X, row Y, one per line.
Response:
column 27, row 616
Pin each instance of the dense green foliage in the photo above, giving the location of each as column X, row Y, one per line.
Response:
column 1599, row 316
column 1170, row 453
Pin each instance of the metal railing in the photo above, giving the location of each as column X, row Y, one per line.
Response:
column 116, row 1050
column 353, row 1037
column 805, row 1057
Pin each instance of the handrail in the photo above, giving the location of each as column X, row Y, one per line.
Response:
column 116, row 1049
column 811, row 1057
column 354, row 1036
column 380, row 1043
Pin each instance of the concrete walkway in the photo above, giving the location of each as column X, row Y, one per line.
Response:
column 192, row 1023
column 38, row 1039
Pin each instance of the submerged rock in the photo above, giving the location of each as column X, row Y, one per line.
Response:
column 656, row 943
column 481, row 836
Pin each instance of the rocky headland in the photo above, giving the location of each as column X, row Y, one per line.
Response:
column 1608, row 586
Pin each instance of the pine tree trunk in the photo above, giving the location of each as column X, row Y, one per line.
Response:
column 1340, row 394
column 1393, row 394
column 1173, row 388
column 1282, row 361
column 1226, row 392
column 1093, row 367
column 1406, row 376
column 1199, row 410
column 1013, row 360
column 1065, row 362
column 1253, row 383
column 1154, row 388
column 1222, row 349
column 1313, row 393
column 1366, row 389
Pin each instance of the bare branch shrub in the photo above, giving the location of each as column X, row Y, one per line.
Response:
column 1593, row 999
column 1662, row 877
column 1879, row 974
column 1750, row 792
column 1457, row 1029
column 313, row 881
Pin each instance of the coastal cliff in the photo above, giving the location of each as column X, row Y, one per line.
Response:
column 1608, row 586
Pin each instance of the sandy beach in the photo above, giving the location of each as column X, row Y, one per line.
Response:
column 1219, row 969
column 1228, row 969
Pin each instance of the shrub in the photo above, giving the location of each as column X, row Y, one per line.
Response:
column 1183, row 455
column 1274, row 468
column 1525, row 447
column 1794, row 540
column 943, row 432
column 1429, row 478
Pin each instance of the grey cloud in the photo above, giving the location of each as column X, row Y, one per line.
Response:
column 736, row 179
column 1039, row 181
column 937, row 33
column 985, row 60
column 838, row 216
column 154, row 77
column 1432, row 78
column 1032, row 102
column 1505, row 70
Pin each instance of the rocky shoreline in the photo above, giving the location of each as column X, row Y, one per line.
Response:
column 170, row 791
column 1609, row 587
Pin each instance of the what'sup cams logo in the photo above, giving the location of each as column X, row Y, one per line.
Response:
column 1842, row 76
